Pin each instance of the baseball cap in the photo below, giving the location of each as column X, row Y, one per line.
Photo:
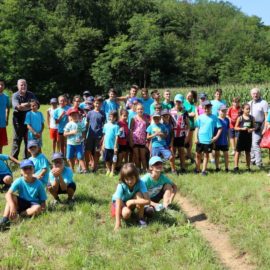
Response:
column 206, row 103
column 32, row 143
column 53, row 100
column 156, row 115
column 202, row 95
column 87, row 107
column 86, row 93
column 154, row 160
column 134, row 99
column 223, row 107
column 89, row 99
column 57, row 155
column 26, row 163
column 179, row 97
column 72, row 110
column 165, row 112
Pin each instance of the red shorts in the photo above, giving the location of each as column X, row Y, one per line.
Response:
column 3, row 137
column 113, row 209
column 53, row 133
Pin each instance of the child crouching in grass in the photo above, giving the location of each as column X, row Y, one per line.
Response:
column 26, row 196
column 130, row 193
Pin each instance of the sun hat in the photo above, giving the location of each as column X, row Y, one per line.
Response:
column 154, row 160
column 179, row 98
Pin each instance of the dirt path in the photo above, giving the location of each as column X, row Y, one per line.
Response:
column 217, row 238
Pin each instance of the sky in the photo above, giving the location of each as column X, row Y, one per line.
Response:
column 260, row 8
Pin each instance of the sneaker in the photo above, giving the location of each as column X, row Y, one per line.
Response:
column 159, row 207
column 204, row 173
column 84, row 172
column 70, row 201
column 174, row 172
column 248, row 170
column 56, row 202
column 196, row 171
column 108, row 173
column 226, row 170
column 236, row 170
column 183, row 171
column 142, row 223
column 218, row 169
column 111, row 174
column 149, row 211
column 212, row 161
column 233, row 153
column 4, row 223
column 192, row 160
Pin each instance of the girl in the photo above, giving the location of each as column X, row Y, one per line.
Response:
column 35, row 122
column 200, row 109
column 130, row 193
column 245, row 124
column 51, row 123
column 138, row 128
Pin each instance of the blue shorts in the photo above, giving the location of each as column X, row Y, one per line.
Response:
column 2, row 176
column 75, row 151
column 233, row 133
column 24, row 204
column 161, row 151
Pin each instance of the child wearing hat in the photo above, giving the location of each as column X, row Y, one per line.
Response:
column 51, row 123
column 26, row 196
column 159, row 186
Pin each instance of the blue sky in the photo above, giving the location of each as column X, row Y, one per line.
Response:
column 260, row 8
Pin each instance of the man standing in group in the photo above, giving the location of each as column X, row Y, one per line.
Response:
column 258, row 109
column 21, row 105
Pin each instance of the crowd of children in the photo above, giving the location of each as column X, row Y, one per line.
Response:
column 133, row 135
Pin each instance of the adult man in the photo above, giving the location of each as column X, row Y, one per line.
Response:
column 21, row 105
column 258, row 109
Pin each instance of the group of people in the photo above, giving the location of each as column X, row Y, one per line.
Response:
column 136, row 134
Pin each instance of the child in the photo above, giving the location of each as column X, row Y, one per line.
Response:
column 74, row 131
column 158, row 185
column 4, row 115
column 109, row 146
column 200, row 109
column 61, row 119
column 110, row 104
column 156, row 132
column 146, row 101
column 167, row 103
column 41, row 163
column 233, row 113
column 61, row 179
column 138, row 137
column 95, row 121
column 204, row 136
column 167, row 122
column 217, row 102
column 180, row 128
column 26, row 196
column 35, row 122
column 156, row 96
column 245, row 125
column 130, row 193
column 51, row 122
column 132, row 94
column 76, row 105
column 132, row 112
column 222, row 143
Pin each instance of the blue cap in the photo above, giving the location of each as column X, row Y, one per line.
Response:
column 202, row 95
column 26, row 163
column 154, row 160
column 57, row 156
column 223, row 107
column 206, row 103
column 53, row 100
column 179, row 97
column 89, row 99
column 32, row 143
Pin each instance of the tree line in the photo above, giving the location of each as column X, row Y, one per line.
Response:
column 73, row 45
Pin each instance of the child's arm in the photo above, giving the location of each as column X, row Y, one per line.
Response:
column 145, row 200
column 71, row 132
column 116, row 144
column 32, row 130
column 196, row 140
column 62, row 183
column 43, row 206
column 131, row 132
column 236, row 127
column 188, row 129
column 117, row 214
column 10, row 202
column 42, row 173
column 7, row 115
column 214, row 139
column 14, row 159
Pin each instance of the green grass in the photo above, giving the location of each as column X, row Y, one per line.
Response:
column 82, row 237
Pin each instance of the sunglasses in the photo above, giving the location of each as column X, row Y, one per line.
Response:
column 27, row 168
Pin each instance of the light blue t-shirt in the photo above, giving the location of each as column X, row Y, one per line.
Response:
column 57, row 113
column 146, row 104
column 35, row 120
column 77, row 138
column 108, row 106
column 32, row 192
column 206, row 125
column 67, row 175
column 131, row 115
column 111, row 131
column 155, row 186
column 157, row 141
column 268, row 116
column 216, row 105
column 4, row 169
column 40, row 163
column 4, row 104
column 124, row 193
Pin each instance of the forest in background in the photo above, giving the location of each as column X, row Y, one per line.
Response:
column 72, row 45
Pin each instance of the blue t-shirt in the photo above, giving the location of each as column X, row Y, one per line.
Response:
column 75, row 139
column 57, row 113
column 108, row 106
column 146, row 104
column 4, row 169
column 216, row 105
column 32, row 192
column 67, row 175
column 223, row 138
column 4, row 104
column 40, row 163
column 96, row 121
column 268, row 116
column 111, row 131
column 35, row 120
column 157, row 141
column 168, row 138
column 206, row 125
column 131, row 115
column 124, row 193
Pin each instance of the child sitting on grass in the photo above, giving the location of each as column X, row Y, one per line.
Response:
column 159, row 186
column 26, row 196
column 130, row 193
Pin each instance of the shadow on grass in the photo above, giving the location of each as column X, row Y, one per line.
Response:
column 82, row 198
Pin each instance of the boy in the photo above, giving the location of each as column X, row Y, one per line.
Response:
column 158, row 185
column 156, row 96
column 204, row 139
column 110, row 104
column 26, row 196
column 61, row 179
column 146, row 101
column 4, row 115
column 41, row 163
column 51, row 122
column 74, row 131
column 95, row 121
column 156, row 132
column 167, row 103
column 217, row 102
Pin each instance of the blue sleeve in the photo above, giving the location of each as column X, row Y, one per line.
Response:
column 149, row 129
column 218, row 124
column 268, row 117
column 4, row 157
column 55, row 114
column 68, row 177
column 117, row 130
column 42, row 193
column 27, row 120
column 143, row 187
column 118, row 193
column 197, row 123
column 44, row 163
column 15, row 186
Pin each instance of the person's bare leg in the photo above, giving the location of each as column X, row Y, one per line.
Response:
column 217, row 156
column 182, row 156
column 198, row 161
column 143, row 158
column 236, row 159
column 226, row 159
column 248, row 159
column 205, row 161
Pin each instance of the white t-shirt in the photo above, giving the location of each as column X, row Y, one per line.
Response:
column 258, row 109
column 53, row 125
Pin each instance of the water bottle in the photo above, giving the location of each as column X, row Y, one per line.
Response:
column 114, row 158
